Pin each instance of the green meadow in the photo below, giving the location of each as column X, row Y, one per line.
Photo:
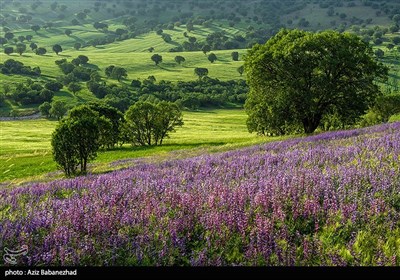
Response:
column 26, row 149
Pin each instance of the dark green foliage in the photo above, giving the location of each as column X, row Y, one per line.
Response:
column 35, row 28
column 33, row 46
column 179, row 59
column 201, row 72
column 41, row 51
column 235, row 56
column 205, row 49
column 12, row 66
column 150, row 123
column 156, row 58
column 8, row 50
column 212, row 57
column 109, row 136
column 76, row 140
column 299, row 77
column 58, row 109
column 45, row 109
column 77, row 46
column 240, row 70
column 57, row 48
column 9, row 36
column 20, row 48
column 53, row 86
column 379, row 53
column 74, row 87
column 386, row 106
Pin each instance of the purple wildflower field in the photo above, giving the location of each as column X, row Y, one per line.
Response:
column 329, row 199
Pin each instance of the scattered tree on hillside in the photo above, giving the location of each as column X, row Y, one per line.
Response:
column 100, row 25
column 396, row 18
column 53, row 86
column 109, row 70
column 35, row 28
column 8, row 50
column 201, row 72
column 33, row 46
column 212, row 57
column 120, row 31
column 396, row 40
column 45, row 109
column 58, row 109
column 57, row 48
column 156, row 58
column 299, row 77
column 235, row 56
column 28, row 37
column 3, row 41
column 151, row 49
column 189, row 27
column 119, row 73
column 81, row 15
column 240, row 70
column 179, row 59
column 83, row 59
column 20, row 48
column 192, row 39
column 379, row 53
column 77, row 46
column 68, row 32
column 9, row 36
column 150, row 123
column 74, row 87
column 41, row 51
column 205, row 49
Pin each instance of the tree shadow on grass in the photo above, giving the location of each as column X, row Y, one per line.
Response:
column 42, row 35
column 77, row 39
column 169, row 70
column 64, row 55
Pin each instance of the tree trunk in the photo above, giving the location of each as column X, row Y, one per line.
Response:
column 311, row 124
column 83, row 169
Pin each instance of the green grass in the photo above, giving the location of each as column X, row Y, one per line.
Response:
column 395, row 118
column 26, row 150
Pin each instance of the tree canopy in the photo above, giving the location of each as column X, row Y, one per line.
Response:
column 75, row 140
column 299, row 77
column 156, row 58
column 149, row 123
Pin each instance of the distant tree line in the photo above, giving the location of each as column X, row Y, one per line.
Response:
column 32, row 92
column 206, row 92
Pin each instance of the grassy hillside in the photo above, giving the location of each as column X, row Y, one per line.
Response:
column 138, row 64
column 250, row 21
column 26, row 150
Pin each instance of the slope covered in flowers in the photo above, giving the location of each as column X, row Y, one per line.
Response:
column 330, row 199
